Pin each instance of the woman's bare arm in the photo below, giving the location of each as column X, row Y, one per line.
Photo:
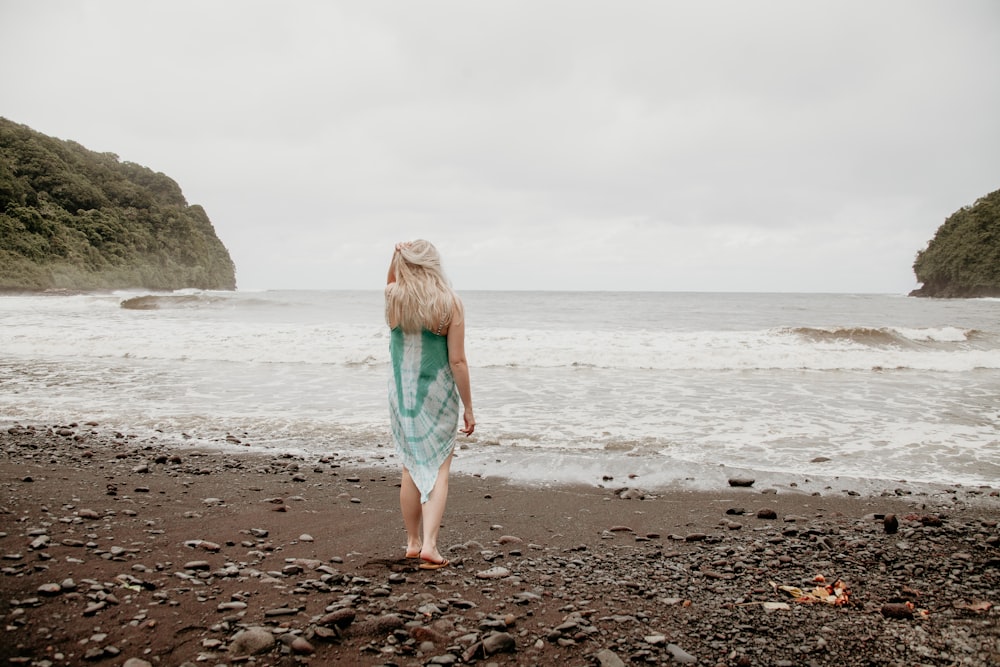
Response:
column 460, row 368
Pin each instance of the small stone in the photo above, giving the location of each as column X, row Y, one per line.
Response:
column 890, row 523
column 499, row 642
column 767, row 513
column 94, row 607
column 280, row 611
column 300, row 646
column 608, row 658
column 340, row 618
column 50, row 589
column 901, row 610
column 680, row 655
column 136, row 662
column 305, row 537
column 493, row 573
column 741, row 481
column 424, row 633
column 251, row 641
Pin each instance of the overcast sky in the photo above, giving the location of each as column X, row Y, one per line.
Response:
column 716, row 146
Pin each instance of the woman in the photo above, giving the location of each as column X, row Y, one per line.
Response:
column 429, row 375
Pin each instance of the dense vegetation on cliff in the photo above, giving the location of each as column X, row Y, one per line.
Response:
column 72, row 218
column 963, row 258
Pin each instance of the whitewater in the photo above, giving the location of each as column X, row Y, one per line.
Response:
column 811, row 391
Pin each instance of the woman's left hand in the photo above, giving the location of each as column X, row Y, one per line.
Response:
column 470, row 422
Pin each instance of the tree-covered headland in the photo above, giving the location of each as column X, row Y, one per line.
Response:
column 963, row 258
column 74, row 219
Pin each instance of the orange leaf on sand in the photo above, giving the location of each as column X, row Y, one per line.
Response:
column 835, row 593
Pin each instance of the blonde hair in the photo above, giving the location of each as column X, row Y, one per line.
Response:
column 422, row 297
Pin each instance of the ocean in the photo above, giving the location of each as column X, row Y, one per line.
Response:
column 815, row 392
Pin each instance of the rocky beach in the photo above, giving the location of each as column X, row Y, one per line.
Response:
column 119, row 550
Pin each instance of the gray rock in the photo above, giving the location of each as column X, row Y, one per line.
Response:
column 493, row 573
column 608, row 658
column 300, row 646
column 137, row 662
column 341, row 618
column 251, row 641
column 499, row 642
column 680, row 655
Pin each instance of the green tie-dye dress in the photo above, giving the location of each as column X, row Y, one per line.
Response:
column 423, row 404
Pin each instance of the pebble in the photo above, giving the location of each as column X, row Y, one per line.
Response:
column 493, row 573
column 680, row 655
column 499, row 642
column 608, row 658
column 252, row 641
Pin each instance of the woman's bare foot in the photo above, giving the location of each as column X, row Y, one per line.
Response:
column 432, row 560
column 434, row 557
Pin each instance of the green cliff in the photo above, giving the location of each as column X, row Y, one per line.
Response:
column 74, row 219
column 963, row 258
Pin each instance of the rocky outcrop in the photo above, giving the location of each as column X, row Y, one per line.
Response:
column 963, row 258
column 73, row 219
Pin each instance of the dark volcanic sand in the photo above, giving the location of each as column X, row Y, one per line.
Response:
column 117, row 550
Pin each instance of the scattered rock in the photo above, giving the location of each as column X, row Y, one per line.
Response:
column 902, row 610
column 499, row 642
column 608, row 658
column 252, row 641
column 493, row 573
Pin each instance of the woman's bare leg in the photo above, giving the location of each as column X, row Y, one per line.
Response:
column 409, row 503
column 433, row 512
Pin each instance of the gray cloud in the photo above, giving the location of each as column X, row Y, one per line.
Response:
column 592, row 145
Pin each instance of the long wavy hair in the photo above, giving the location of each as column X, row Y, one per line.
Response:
column 422, row 296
